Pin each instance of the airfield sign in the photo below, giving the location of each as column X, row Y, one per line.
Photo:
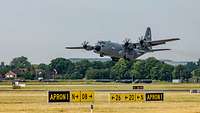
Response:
column 58, row 96
column 70, row 96
column 127, row 97
column 154, row 96
column 136, row 97
column 138, row 87
column 87, row 96
column 75, row 96
column 82, row 96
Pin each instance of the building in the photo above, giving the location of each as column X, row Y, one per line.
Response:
column 10, row 74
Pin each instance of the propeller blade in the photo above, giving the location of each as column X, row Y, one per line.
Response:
column 127, row 40
column 85, row 43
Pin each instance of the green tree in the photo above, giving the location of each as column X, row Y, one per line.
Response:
column 27, row 75
column 198, row 63
column 180, row 72
column 4, row 69
column 22, row 67
column 166, row 72
column 43, row 66
column 109, row 64
column 98, row 73
column 151, row 63
column 62, row 65
column 97, row 65
column 43, row 70
column 74, row 75
column 120, row 70
column 138, row 70
column 20, row 62
column 196, row 74
column 155, row 73
column 81, row 67
column 190, row 66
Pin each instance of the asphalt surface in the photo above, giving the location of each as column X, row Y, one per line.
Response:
column 109, row 90
column 101, row 90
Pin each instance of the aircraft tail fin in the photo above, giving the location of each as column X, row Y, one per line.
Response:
column 147, row 36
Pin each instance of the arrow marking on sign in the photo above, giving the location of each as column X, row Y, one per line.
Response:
column 113, row 97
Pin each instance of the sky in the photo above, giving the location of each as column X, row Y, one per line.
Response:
column 41, row 29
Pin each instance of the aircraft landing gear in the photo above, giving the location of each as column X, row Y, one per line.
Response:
column 126, row 58
column 101, row 55
column 115, row 59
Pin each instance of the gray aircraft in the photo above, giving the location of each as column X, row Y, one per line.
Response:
column 128, row 50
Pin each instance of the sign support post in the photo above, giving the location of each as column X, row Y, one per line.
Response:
column 91, row 108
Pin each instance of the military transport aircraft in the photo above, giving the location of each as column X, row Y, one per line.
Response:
column 128, row 50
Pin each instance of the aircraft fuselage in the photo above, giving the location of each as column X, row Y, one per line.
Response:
column 112, row 49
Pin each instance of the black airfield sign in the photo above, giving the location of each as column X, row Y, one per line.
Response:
column 138, row 87
column 154, row 96
column 58, row 96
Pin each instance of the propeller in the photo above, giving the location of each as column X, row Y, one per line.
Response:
column 144, row 44
column 86, row 46
column 141, row 41
column 127, row 43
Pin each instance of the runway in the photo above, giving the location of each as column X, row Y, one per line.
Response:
column 188, row 90
column 142, row 90
column 102, row 89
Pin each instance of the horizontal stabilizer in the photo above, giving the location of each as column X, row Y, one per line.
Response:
column 159, row 42
column 153, row 50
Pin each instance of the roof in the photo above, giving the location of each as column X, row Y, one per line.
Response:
column 11, row 73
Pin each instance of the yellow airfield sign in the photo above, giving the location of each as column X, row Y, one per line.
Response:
column 87, row 96
column 127, row 97
column 75, row 96
column 82, row 96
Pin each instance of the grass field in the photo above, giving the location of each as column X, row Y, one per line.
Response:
column 30, row 101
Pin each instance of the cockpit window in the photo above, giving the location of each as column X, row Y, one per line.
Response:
column 101, row 42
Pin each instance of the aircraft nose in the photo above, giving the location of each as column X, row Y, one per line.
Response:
column 97, row 48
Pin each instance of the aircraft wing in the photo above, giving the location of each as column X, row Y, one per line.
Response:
column 74, row 47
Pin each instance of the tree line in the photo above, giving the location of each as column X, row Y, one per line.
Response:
column 61, row 68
